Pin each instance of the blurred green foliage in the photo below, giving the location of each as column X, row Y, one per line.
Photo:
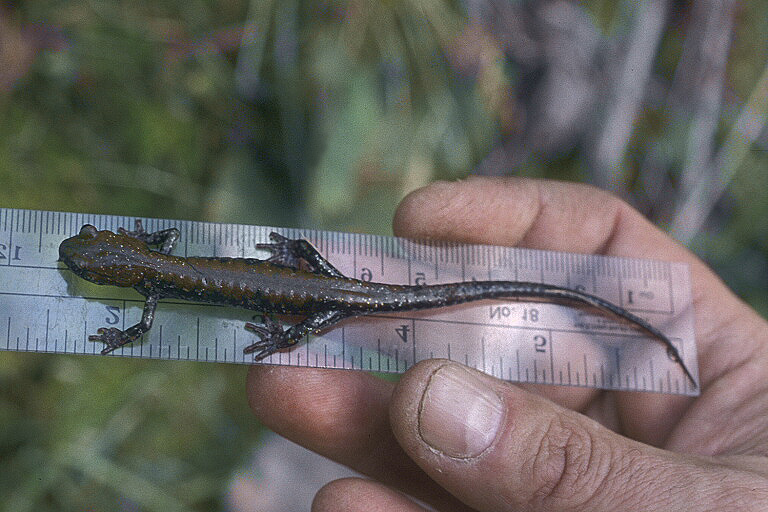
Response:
column 321, row 114
column 156, row 108
column 82, row 434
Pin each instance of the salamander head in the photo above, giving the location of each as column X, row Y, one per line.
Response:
column 104, row 257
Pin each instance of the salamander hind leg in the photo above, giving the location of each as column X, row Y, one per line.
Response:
column 274, row 337
column 290, row 253
column 271, row 335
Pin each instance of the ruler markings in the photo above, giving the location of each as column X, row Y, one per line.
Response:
column 640, row 360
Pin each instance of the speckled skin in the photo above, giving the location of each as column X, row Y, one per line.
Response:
column 295, row 280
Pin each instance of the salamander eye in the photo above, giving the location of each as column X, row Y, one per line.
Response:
column 88, row 231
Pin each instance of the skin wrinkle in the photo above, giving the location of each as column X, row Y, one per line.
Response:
column 644, row 474
column 524, row 215
column 557, row 222
column 613, row 231
column 608, row 454
column 550, row 461
column 543, row 206
column 583, row 463
column 454, row 200
column 570, row 465
column 537, row 213
column 444, row 211
column 609, row 465
column 739, row 497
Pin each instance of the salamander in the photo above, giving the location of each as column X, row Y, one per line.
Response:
column 294, row 280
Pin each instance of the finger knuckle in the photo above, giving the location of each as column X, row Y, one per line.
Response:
column 568, row 468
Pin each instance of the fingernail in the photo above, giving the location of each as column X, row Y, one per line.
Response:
column 459, row 415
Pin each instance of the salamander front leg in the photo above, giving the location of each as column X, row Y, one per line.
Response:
column 290, row 253
column 165, row 238
column 114, row 338
column 274, row 338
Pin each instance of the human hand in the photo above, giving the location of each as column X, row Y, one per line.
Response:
column 462, row 440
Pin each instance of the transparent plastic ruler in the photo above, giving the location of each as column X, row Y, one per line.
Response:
column 46, row 308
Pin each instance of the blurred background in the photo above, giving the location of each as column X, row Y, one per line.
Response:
column 325, row 114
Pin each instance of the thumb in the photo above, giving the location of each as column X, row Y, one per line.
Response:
column 498, row 447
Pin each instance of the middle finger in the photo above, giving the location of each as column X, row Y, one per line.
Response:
column 344, row 416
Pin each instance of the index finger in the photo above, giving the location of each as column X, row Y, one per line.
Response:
column 539, row 214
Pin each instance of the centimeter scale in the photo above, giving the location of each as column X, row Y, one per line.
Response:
column 46, row 308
